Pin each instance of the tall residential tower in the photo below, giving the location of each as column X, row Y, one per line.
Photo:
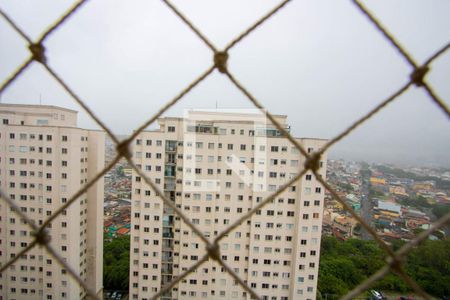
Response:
column 44, row 160
column 215, row 167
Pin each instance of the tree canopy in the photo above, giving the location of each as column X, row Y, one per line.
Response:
column 116, row 263
column 345, row 264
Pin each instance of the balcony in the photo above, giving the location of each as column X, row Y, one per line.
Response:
column 171, row 146
column 170, row 184
column 166, row 269
column 167, row 257
column 165, row 279
column 271, row 132
column 168, row 235
column 208, row 129
column 167, row 245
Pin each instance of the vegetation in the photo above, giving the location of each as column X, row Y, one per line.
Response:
column 415, row 201
column 344, row 264
column 120, row 172
column 345, row 186
column 441, row 210
column 116, row 263
column 440, row 184
column 374, row 193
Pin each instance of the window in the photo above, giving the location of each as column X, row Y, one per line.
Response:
column 171, row 128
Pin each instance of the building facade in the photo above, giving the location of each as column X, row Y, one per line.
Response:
column 44, row 160
column 215, row 167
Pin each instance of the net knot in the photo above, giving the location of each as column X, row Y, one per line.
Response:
column 42, row 237
column 123, row 149
column 395, row 263
column 220, row 61
column 313, row 162
column 213, row 251
column 418, row 75
column 38, row 52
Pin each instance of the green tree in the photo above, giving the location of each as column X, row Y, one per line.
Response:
column 116, row 263
column 120, row 172
column 344, row 264
column 441, row 210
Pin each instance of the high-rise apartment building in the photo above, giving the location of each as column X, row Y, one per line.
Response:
column 215, row 167
column 44, row 160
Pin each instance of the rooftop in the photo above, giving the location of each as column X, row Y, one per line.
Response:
column 34, row 106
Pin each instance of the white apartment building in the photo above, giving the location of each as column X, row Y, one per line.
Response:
column 215, row 167
column 44, row 160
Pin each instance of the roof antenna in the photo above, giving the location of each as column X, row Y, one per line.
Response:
column 40, row 99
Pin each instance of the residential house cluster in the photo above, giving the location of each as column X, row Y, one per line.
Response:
column 400, row 200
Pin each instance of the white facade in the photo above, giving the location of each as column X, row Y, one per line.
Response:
column 44, row 160
column 215, row 169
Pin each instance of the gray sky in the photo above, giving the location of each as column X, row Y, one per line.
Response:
column 319, row 62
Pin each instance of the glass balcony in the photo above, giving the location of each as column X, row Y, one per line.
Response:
column 166, row 268
column 169, row 171
column 171, row 146
column 203, row 129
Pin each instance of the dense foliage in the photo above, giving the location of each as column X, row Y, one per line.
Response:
column 440, row 183
column 441, row 210
column 345, row 264
column 415, row 201
column 116, row 263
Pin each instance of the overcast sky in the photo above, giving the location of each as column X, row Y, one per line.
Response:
column 319, row 62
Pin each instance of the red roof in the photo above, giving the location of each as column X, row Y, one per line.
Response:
column 123, row 230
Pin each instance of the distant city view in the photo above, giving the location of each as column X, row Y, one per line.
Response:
column 398, row 202
column 214, row 167
column 254, row 150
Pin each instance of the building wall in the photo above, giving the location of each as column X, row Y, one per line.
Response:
column 96, row 163
column 276, row 250
column 42, row 166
